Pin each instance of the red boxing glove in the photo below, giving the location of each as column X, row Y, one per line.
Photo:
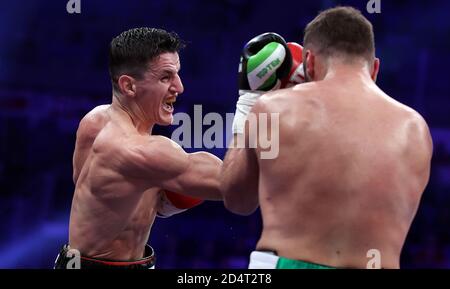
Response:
column 173, row 203
column 182, row 201
column 296, row 74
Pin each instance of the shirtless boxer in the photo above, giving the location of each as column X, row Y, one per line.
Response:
column 123, row 175
column 352, row 164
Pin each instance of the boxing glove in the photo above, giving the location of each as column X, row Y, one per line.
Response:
column 171, row 203
column 296, row 74
column 265, row 60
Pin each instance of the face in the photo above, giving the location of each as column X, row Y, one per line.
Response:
column 158, row 90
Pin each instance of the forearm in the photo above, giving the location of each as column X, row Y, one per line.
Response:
column 239, row 181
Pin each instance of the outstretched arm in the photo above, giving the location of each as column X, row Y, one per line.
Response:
column 200, row 178
column 166, row 165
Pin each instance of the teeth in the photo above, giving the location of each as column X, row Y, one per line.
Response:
column 168, row 106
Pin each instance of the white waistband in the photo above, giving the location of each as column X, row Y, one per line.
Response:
column 263, row 260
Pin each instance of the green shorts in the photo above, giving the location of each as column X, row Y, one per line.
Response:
column 268, row 260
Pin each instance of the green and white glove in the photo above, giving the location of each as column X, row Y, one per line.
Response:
column 265, row 60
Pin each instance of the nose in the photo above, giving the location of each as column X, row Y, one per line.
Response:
column 177, row 85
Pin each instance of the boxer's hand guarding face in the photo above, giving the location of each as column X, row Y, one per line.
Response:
column 265, row 61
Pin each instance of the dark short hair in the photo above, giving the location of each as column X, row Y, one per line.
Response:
column 341, row 31
column 132, row 50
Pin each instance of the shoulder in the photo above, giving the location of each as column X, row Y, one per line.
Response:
column 411, row 117
column 299, row 97
column 153, row 153
column 270, row 100
column 153, row 146
column 418, row 126
column 96, row 113
column 93, row 121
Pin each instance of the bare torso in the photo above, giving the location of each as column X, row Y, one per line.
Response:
column 351, row 169
column 112, row 212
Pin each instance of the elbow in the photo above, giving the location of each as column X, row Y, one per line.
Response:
column 240, row 208
column 238, row 200
column 215, row 193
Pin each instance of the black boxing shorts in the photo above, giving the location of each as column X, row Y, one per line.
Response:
column 63, row 260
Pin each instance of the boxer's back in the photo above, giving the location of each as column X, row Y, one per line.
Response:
column 111, row 214
column 352, row 166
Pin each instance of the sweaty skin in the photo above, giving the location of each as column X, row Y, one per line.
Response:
column 352, row 166
column 120, row 169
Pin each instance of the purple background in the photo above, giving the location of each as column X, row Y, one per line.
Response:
column 53, row 70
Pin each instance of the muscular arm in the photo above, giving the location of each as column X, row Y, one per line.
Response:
column 199, row 178
column 165, row 164
column 240, row 174
column 240, row 180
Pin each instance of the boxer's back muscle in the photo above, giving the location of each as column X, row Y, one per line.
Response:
column 346, row 179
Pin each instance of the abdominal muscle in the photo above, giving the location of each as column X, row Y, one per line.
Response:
column 113, row 224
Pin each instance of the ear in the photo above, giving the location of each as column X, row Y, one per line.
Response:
column 310, row 59
column 127, row 85
column 375, row 69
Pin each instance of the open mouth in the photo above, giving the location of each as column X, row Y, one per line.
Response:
column 168, row 104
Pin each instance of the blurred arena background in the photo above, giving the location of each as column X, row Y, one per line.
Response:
column 53, row 70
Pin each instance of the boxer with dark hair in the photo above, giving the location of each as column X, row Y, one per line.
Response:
column 124, row 176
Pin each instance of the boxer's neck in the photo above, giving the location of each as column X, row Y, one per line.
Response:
column 338, row 69
column 132, row 114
